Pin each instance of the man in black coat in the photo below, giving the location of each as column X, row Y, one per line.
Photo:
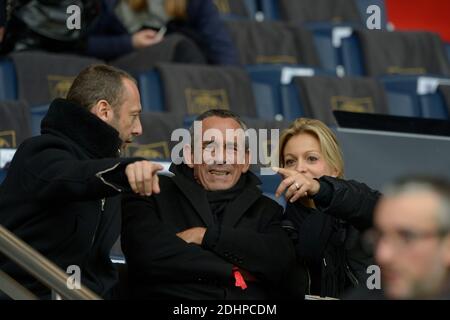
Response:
column 62, row 191
column 209, row 233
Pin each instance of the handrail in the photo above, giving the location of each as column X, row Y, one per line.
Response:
column 40, row 267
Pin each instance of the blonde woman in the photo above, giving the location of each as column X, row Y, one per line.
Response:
column 128, row 25
column 327, row 211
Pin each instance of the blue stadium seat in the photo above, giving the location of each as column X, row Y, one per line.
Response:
column 8, row 80
column 328, row 38
column 152, row 97
column 351, row 57
column 2, row 175
column 37, row 114
column 415, row 96
column 270, row 9
column 269, row 185
column 276, row 98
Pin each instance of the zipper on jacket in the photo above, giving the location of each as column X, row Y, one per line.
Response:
column 102, row 209
column 351, row 276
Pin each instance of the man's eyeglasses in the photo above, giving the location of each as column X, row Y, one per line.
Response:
column 401, row 239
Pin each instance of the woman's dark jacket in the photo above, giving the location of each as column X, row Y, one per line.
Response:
column 329, row 237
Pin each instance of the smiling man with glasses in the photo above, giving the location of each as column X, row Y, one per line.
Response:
column 411, row 238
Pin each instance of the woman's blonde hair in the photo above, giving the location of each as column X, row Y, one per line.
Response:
column 329, row 145
column 176, row 9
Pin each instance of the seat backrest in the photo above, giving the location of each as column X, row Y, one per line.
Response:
column 398, row 52
column 42, row 77
column 155, row 142
column 444, row 92
column 193, row 89
column 336, row 11
column 8, row 85
column 273, row 42
column 321, row 95
column 236, row 8
column 150, row 90
column 14, row 123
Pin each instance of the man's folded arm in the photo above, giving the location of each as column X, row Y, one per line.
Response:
column 266, row 254
column 152, row 248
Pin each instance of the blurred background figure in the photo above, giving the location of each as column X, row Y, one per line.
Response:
column 411, row 239
column 42, row 25
column 129, row 25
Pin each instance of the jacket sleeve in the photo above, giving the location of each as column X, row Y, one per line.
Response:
column 54, row 174
column 153, row 250
column 108, row 47
column 266, row 253
column 204, row 17
column 348, row 200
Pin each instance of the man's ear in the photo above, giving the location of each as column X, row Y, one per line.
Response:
column 103, row 110
column 247, row 162
column 187, row 155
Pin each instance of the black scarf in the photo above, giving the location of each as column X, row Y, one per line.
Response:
column 218, row 200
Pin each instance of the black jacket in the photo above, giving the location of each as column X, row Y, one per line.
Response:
column 329, row 237
column 61, row 196
column 163, row 266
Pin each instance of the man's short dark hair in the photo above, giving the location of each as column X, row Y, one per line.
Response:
column 221, row 113
column 98, row 82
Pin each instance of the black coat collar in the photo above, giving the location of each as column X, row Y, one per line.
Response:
column 84, row 128
column 194, row 192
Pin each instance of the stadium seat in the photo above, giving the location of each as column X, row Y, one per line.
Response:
column 415, row 96
column 2, row 175
column 193, row 89
column 149, row 84
column 273, row 42
column 320, row 95
column 236, row 9
column 42, row 76
column 37, row 114
column 155, row 142
column 274, row 91
column 377, row 53
column 8, row 81
column 311, row 10
column 14, row 123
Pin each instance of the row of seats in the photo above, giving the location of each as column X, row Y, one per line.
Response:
column 305, row 11
column 264, row 92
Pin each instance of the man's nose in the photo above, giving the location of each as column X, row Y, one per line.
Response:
column 137, row 129
column 384, row 251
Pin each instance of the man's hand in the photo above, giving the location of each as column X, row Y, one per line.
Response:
column 145, row 38
column 142, row 177
column 296, row 185
column 193, row 235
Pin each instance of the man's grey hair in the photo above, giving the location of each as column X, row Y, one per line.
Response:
column 435, row 185
column 221, row 113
